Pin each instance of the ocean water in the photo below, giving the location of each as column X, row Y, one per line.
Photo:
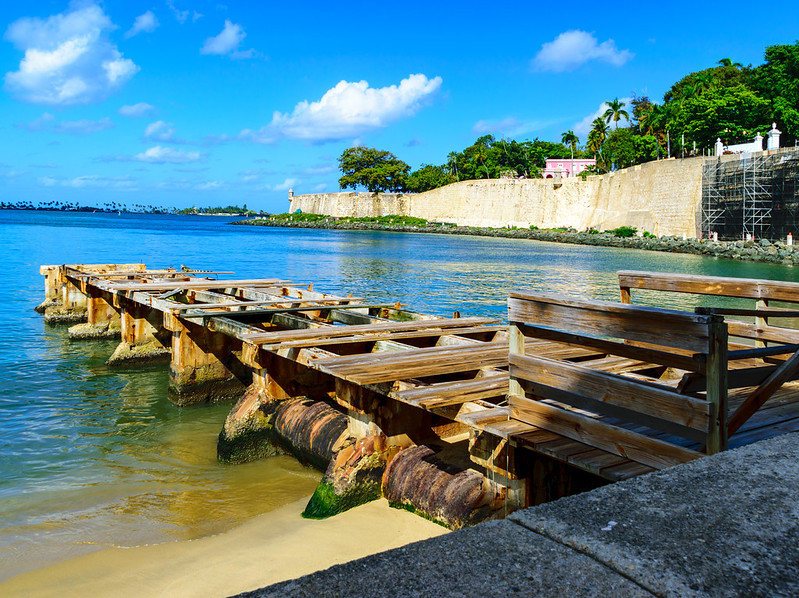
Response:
column 93, row 457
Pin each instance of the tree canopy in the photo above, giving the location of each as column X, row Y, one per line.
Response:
column 377, row 170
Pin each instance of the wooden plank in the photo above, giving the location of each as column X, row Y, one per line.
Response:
column 636, row 447
column 744, row 288
column 762, row 393
column 614, row 389
column 764, row 333
column 417, row 363
column 227, row 304
column 484, row 417
column 626, row 471
column 197, row 284
column 278, row 310
column 360, row 338
column 344, row 331
column 451, row 393
column 694, row 363
column 615, row 320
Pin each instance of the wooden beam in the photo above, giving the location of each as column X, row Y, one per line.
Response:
column 344, row 331
column 763, row 392
column 692, row 363
column 615, row 320
column 227, row 304
column 624, row 443
column 196, row 284
column 744, row 288
column 613, row 389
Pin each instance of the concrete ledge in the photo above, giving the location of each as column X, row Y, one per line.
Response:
column 727, row 525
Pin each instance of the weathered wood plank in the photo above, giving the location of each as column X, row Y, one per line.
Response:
column 614, row 389
column 419, row 363
column 451, row 393
column 293, row 300
column 361, row 338
column 194, row 284
column 744, row 288
column 764, row 333
column 344, row 331
column 615, row 320
column 694, row 362
column 763, row 392
column 636, row 447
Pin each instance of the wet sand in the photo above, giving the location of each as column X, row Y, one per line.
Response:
column 273, row 547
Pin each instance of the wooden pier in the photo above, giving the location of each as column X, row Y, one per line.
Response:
column 462, row 418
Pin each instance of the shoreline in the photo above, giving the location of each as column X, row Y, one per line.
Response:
column 273, row 547
column 763, row 250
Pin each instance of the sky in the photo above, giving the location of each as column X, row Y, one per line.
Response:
column 179, row 103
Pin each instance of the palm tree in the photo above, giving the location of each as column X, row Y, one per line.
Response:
column 570, row 139
column 729, row 62
column 597, row 136
column 615, row 112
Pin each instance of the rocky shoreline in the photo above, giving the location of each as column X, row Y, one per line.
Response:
column 763, row 250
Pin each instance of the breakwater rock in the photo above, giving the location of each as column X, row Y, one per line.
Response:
column 763, row 250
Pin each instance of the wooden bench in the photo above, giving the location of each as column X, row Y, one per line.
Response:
column 625, row 412
column 772, row 362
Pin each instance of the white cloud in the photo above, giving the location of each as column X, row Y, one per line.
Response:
column 47, row 122
column 125, row 183
column 583, row 127
column 209, row 185
column 167, row 155
column 348, row 110
column 144, row 23
column 182, row 15
column 285, row 185
column 69, row 58
column 137, row 110
column 228, row 42
column 159, row 131
column 574, row 48
column 320, row 187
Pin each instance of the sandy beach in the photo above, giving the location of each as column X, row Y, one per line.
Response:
column 276, row 546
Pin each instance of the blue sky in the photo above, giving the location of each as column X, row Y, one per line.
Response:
column 178, row 103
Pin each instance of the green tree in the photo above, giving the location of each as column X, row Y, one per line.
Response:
column 597, row 136
column 615, row 112
column 729, row 62
column 619, row 149
column 374, row 169
column 733, row 114
column 428, row 177
column 778, row 81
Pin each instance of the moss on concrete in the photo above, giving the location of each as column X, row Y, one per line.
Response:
column 326, row 502
column 247, row 446
column 85, row 331
column 126, row 354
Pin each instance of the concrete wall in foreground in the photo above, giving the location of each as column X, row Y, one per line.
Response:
column 661, row 197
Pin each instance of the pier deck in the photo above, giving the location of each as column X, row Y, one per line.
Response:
column 615, row 390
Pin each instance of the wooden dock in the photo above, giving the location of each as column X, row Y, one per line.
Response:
column 573, row 394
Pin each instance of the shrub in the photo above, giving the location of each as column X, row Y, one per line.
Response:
column 624, row 231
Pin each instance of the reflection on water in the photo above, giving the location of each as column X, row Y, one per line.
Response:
column 91, row 456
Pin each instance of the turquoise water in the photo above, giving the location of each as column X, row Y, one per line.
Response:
column 92, row 457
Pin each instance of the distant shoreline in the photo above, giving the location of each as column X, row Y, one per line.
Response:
column 776, row 252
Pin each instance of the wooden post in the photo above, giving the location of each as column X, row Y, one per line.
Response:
column 516, row 347
column 206, row 366
column 717, row 385
column 143, row 335
column 760, row 321
column 102, row 318
column 625, row 295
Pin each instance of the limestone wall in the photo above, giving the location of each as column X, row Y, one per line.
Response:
column 661, row 197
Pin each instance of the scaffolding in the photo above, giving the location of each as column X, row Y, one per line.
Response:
column 751, row 195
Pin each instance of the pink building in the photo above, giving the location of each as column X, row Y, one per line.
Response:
column 564, row 166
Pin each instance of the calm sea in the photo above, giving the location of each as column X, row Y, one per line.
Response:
column 92, row 457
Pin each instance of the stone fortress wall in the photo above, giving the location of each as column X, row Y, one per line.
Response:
column 661, row 197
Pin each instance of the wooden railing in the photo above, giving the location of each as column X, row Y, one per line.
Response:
column 615, row 399
column 775, row 345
